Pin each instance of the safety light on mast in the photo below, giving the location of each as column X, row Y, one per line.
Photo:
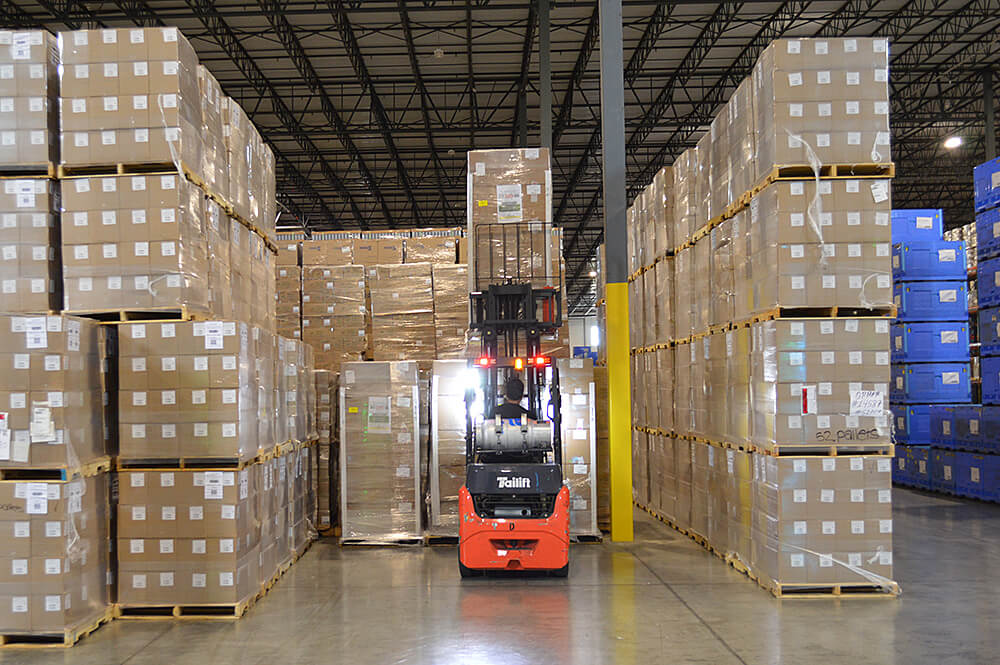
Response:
column 518, row 364
column 483, row 361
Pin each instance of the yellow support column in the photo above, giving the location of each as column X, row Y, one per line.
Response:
column 619, row 410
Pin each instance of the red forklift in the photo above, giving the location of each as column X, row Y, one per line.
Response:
column 514, row 506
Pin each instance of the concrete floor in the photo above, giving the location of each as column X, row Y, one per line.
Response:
column 659, row 600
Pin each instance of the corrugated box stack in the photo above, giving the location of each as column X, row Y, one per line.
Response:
column 29, row 104
column 447, row 444
column 288, row 306
column 30, row 278
column 334, row 316
column 379, row 452
column 55, row 534
column 402, row 312
column 451, row 310
column 218, row 393
column 754, row 387
column 579, row 443
column 133, row 100
column 326, row 463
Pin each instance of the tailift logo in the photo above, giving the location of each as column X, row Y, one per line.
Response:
column 513, row 483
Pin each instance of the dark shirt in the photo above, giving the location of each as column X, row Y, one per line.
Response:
column 511, row 410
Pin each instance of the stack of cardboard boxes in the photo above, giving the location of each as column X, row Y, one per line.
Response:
column 30, row 278
column 402, row 312
column 579, row 442
column 29, row 90
column 334, row 316
column 55, row 534
column 451, row 310
column 326, row 454
column 783, row 385
column 447, row 444
column 379, row 452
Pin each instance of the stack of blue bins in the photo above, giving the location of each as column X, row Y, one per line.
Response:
column 929, row 345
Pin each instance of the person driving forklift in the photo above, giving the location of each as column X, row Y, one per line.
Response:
column 511, row 409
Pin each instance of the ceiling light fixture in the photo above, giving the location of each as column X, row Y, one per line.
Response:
column 952, row 142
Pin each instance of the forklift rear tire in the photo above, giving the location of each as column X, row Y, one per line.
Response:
column 465, row 570
column 561, row 572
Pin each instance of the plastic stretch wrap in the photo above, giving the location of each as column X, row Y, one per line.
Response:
column 640, row 466
column 402, row 312
column 295, row 389
column 447, row 439
column 194, row 537
column 30, row 276
column 215, row 159
column 704, row 210
column 241, row 270
column 307, row 384
column 51, row 391
column 683, row 416
column 134, row 242
column 432, row 246
column 262, row 309
column 649, row 388
column 661, row 211
column 288, row 307
column 325, row 411
column 699, row 390
column 334, row 315
column 821, row 244
column 742, row 283
column 722, row 277
column 738, row 385
column 663, row 276
column 632, row 236
column 56, row 568
column 685, row 173
column 220, row 285
column 651, row 329
column 579, row 443
column 722, row 164
column 379, row 455
column 684, row 319
column 716, row 388
column 636, row 312
column 638, row 400
column 265, row 362
column 821, row 101
column 128, row 96
column 664, row 368
column 324, row 250
column 820, row 382
column 701, row 282
column 742, row 152
column 451, row 310
column 29, row 105
column 188, row 389
column 644, row 235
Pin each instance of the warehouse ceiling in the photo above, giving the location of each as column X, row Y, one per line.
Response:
column 371, row 105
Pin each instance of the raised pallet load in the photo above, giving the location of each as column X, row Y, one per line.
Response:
column 29, row 115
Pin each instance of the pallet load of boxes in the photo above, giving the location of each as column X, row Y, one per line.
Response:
column 760, row 305
column 951, row 445
column 137, row 246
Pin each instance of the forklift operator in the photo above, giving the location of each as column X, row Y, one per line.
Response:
column 511, row 407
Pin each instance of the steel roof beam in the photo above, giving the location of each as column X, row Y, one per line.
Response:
column 286, row 35
column 440, row 172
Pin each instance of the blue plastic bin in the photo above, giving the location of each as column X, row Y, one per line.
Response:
column 931, row 341
column 931, row 301
column 930, row 383
column 917, row 224
column 971, row 470
column 989, row 331
column 929, row 260
column 988, row 234
column 988, row 282
column 969, row 427
column 942, row 470
column 912, row 423
column 920, row 468
column 900, row 467
column 989, row 373
column 986, row 179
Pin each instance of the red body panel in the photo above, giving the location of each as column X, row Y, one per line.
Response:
column 513, row 544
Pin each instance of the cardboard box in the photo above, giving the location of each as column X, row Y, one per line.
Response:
column 30, row 270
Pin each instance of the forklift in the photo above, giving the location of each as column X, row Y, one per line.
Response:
column 514, row 505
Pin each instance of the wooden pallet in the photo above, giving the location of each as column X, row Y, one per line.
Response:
column 787, row 591
column 438, row 540
column 382, row 542
column 185, row 463
column 838, row 312
column 141, row 315
column 826, row 171
column 198, row 612
column 57, row 474
column 128, row 168
column 587, row 538
column 66, row 638
column 826, row 450
column 19, row 171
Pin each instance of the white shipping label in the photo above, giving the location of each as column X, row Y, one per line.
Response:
column 946, row 255
column 973, row 426
column 829, row 527
column 857, row 496
column 826, row 496
column 797, row 560
column 925, row 222
column 949, row 337
column 880, row 191
column 509, row 208
column 948, row 295
column 799, row 496
column 947, row 472
column 829, row 463
column 800, row 527
column 950, row 378
column 136, row 546
column 196, row 513
column 198, row 580
column 974, row 474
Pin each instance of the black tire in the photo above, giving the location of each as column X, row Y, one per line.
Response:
column 561, row 572
column 464, row 570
